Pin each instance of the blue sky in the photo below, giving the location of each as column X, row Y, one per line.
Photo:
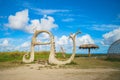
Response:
column 98, row 20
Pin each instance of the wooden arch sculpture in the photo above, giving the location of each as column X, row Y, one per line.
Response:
column 52, row 59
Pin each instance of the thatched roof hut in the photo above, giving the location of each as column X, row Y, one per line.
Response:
column 88, row 46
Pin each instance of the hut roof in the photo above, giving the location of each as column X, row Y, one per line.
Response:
column 86, row 46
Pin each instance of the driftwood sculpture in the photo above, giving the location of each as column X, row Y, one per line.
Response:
column 52, row 59
column 63, row 52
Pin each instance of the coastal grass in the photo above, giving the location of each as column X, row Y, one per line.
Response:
column 14, row 59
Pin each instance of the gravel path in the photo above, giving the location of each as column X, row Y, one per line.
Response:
column 33, row 72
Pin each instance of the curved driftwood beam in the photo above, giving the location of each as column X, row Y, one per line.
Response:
column 63, row 52
column 54, row 60
column 33, row 43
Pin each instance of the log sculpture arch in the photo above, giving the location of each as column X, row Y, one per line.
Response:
column 52, row 59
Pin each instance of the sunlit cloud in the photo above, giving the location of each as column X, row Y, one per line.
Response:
column 20, row 20
column 45, row 23
column 4, row 43
column 111, row 37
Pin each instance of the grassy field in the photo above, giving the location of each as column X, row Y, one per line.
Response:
column 14, row 59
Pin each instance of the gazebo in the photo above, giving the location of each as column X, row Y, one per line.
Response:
column 88, row 46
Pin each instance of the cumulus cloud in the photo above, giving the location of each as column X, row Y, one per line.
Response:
column 20, row 21
column 46, row 23
column 67, row 43
column 25, row 44
column 45, row 36
column 111, row 37
column 4, row 43
column 62, row 40
column 85, row 39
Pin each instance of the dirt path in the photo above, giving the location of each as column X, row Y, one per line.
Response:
column 32, row 72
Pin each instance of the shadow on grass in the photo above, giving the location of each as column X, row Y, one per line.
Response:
column 113, row 59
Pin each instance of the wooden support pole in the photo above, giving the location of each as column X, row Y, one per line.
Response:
column 89, row 52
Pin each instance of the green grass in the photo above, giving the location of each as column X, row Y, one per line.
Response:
column 10, row 59
column 93, row 62
column 11, row 56
column 13, row 59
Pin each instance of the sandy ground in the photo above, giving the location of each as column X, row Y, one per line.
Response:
column 34, row 72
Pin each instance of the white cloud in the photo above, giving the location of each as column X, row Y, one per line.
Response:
column 105, row 27
column 12, row 44
column 62, row 40
column 68, row 20
column 48, row 11
column 67, row 43
column 19, row 21
column 44, row 36
column 111, row 37
column 25, row 44
column 46, row 23
column 85, row 39
column 5, row 43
